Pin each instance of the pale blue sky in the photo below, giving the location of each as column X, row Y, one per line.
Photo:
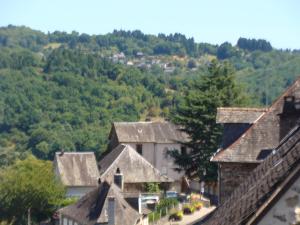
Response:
column 213, row 21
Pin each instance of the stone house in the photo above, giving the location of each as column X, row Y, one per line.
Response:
column 105, row 205
column 78, row 171
column 153, row 141
column 250, row 135
column 271, row 192
column 126, row 167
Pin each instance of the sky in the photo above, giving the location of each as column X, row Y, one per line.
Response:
column 211, row 21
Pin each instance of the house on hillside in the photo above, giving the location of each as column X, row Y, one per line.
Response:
column 270, row 194
column 78, row 171
column 153, row 141
column 124, row 166
column 103, row 205
column 250, row 135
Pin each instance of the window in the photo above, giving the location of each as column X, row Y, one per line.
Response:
column 166, row 153
column 183, row 150
column 139, row 149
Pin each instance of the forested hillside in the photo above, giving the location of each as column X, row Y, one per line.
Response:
column 62, row 90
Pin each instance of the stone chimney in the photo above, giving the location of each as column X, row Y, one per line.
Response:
column 111, row 210
column 119, row 179
column 290, row 115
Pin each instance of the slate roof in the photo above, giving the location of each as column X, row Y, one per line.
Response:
column 134, row 167
column 77, row 168
column 263, row 134
column 148, row 132
column 239, row 115
column 264, row 185
column 92, row 208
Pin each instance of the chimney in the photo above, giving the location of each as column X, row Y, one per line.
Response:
column 119, row 179
column 111, row 210
column 288, row 105
column 289, row 116
column 62, row 152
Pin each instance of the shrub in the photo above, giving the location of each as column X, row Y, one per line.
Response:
column 188, row 209
column 197, row 205
column 166, row 203
column 176, row 216
column 154, row 216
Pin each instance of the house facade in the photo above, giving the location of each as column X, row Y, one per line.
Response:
column 125, row 166
column 271, row 192
column 104, row 205
column 250, row 135
column 78, row 171
column 153, row 141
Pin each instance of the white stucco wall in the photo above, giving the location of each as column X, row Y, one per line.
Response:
column 286, row 210
column 78, row 191
column 67, row 221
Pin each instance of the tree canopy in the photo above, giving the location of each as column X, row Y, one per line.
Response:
column 197, row 117
column 29, row 186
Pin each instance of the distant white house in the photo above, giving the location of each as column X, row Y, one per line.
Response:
column 78, row 171
column 152, row 140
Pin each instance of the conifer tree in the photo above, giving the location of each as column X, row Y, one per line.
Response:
column 196, row 116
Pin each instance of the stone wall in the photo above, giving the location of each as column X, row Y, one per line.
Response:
column 231, row 175
column 286, row 210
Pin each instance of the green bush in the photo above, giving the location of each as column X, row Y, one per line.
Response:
column 188, row 209
column 176, row 216
column 166, row 203
column 154, row 216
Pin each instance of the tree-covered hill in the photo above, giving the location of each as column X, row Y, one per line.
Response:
column 63, row 90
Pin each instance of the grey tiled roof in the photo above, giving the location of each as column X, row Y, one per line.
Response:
column 134, row 167
column 239, row 115
column 262, row 186
column 77, row 168
column 263, row 134
column 92, row 208
column 154, row 132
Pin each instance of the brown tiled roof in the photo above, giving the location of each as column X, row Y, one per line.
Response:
column 134, row 167
column 77, row 168
column 263, row 134
column 148, row 132
column 239, row 115
column 258, row 191
column 92, row 208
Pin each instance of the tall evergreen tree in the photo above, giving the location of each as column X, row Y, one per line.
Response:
column 197, row 117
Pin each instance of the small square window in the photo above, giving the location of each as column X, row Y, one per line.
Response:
column 139, row 149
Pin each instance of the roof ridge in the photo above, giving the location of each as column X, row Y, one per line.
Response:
column 70, row 153
column 115, row 149
column 255, row 109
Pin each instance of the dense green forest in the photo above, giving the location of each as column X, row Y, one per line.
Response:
column 62, row 90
